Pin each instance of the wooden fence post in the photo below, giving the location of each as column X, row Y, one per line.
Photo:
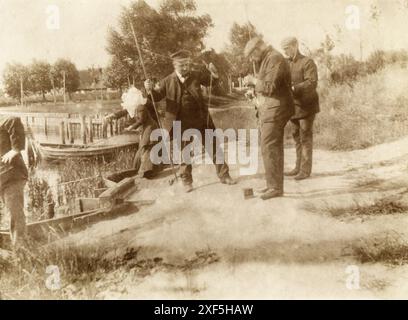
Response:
column 70, row 133
column 90, row 129
column 83, row 129
column 46, row 127
column 111, row 128
column 116, row 127
column 104, row 129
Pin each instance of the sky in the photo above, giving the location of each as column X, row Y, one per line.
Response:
column 25, row 32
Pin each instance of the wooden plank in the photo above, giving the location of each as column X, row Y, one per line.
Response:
column 35, row 114
column 104, row 214
column 108, row 198
column 119, row 187
column 99, row 191
column 87, row 204
column 140, row 202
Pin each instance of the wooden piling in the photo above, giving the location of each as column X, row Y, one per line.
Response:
column 116, row 127
column 104, row 129
column 46, row 127
column 111, row 128
column 70, row 133
column 62, row 132
column 83, row 129
column 90, row 129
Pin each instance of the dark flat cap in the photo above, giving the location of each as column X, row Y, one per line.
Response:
column 251, row 45
column 181, row 54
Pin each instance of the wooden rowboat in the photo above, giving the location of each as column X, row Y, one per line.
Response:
column 105, row 148
column 113, row 202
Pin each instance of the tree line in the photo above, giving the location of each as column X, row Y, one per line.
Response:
column 40, row 77
column 175, row 25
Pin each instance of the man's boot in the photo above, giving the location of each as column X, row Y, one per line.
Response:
column 272, row 194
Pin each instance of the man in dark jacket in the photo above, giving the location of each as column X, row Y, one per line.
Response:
column 13, row 175
column 184, row 102
column 275, row 108
column 304, row 83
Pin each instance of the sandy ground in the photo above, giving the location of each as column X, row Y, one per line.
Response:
column 212, row 243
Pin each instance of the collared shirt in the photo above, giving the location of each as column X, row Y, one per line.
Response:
column 180, row 77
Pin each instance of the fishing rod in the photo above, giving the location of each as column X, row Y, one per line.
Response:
column 150, row 91
column 209, row 99
column 249, row 32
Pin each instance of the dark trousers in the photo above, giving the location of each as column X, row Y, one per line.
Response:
column 222, row 169
column 12, row 196
column 143, row 164
column 303, row 136
column 272, row 134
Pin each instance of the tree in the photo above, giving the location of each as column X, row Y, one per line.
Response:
column 14, row 75
column 223, row 67
column 39, row 77
column 239, row 36
column 172, row 27
column 71, row 76
column 116, row 75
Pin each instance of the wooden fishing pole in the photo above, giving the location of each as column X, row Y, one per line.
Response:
column 150, row 92
column 209, row 99
column 249, row 33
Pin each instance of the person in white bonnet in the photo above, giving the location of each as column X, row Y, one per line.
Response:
column 134, row 105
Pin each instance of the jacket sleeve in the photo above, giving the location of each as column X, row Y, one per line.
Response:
column 310, row 78
column 120, row 114
column 274, row 75
column 136, row 125
column 16, row 132
column 159, row 92
column 205, row 78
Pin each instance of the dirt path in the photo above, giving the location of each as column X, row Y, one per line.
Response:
column 212, row 243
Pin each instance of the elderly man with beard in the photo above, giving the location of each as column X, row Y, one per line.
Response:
column 184, row 103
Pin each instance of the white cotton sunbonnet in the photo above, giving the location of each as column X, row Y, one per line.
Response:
column 131, row 99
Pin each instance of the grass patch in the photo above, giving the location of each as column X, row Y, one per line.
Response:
column 352, row 119
column 383, row 206
column 83, row 270
column 390, row 248
column 380, row 207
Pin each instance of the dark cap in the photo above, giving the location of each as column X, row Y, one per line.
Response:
column 181, row 55
column 289, row 41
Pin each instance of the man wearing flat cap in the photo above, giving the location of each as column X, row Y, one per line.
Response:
column 304, row 83
column 275, row 108
column 184, row 102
